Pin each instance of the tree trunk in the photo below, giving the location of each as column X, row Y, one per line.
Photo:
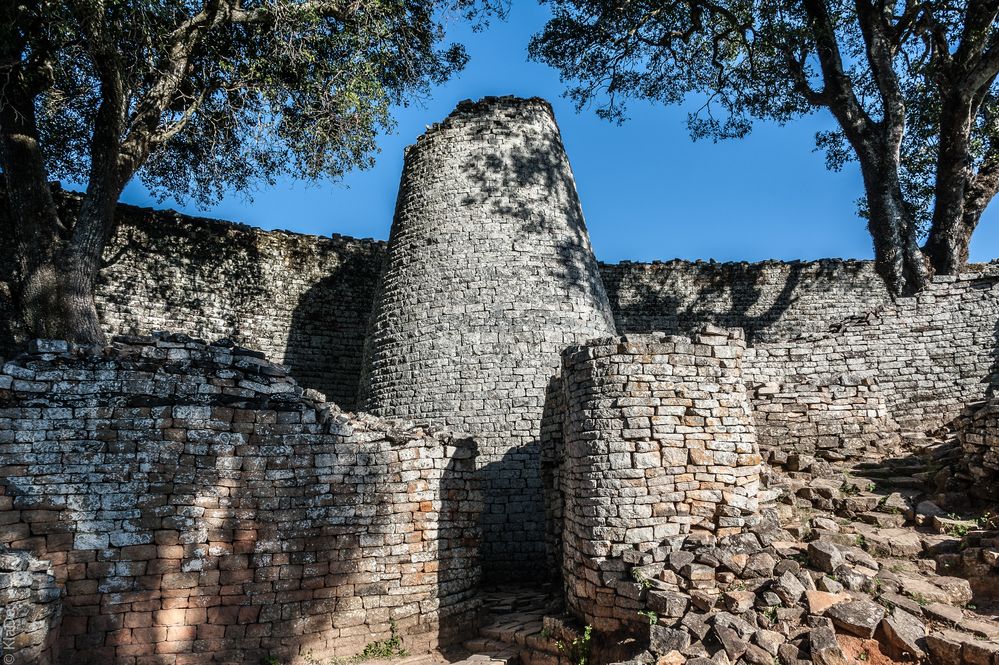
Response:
column 897, row 257
column 81, row 263
column 33, row 215
column 947, row 244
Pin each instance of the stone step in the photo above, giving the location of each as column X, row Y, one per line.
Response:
column 890, row 473
column 485, row 651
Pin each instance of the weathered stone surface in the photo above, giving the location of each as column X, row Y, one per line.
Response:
column 663, row 640
column 905, row 633
column 734, row 645
column 825, row 556
column 859, row 617
column 697, row 447
column 825, row 650
column 739, row 601
column 668, row 603
column 945, row 646
column 944, row 613
column 181, row 488
column 789, row 588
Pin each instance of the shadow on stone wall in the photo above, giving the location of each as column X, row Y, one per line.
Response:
column 326, row 336
column 552, row 460
column 202, row 278
column 517, row 477
column 185, row 517
column 645, row 306
column 458, row 543
column 992, row 390
column 546, row 203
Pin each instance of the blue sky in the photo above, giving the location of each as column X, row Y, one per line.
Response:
column 648, row 191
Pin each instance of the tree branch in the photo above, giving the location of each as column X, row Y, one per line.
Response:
column 842, row 100
column 880, row 56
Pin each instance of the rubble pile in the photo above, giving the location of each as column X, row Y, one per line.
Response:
column 852, row 563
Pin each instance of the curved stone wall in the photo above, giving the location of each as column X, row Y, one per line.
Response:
column 979, row 437
column 490, row 276
column 659, row 443
column 199, row 507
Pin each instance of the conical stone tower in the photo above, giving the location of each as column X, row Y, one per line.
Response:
column 490, row 276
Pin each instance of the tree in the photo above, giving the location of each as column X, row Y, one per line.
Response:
column 911, row 85
column 194, row 97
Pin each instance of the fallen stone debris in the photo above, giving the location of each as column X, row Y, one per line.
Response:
column 850, row 563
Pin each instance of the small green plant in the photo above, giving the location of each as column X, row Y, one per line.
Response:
column 270, row 660
column 578, row 651
column 771, row 614
column 920, row 599
column 546, row 633
column 863, row 655
column 988, row 521
column 387, row 648
column 958, row 530
column 650, row 615
column 860, row 541
column 641, row 579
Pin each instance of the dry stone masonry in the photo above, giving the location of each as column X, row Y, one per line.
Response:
column 302, row 300
column 659, row 441
column 979, row 437
column 931, row 353
column 770, row 301
column 197, row 505
column 490, row 276
column 164, row 501
column 30, row 611
column 836, row 417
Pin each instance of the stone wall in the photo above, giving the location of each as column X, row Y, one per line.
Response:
column 302, row 300
column 838, row 417
column 659, row 441
column 30, row 611
column 771, row 300
column 490, row 276
column 198, row 507
column 931, row 353
column 979, row 438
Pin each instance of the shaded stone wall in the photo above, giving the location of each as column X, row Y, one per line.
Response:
column 198, row 507
column 659, row 443
column 836, row 417
column 30, row 611
column 931, row 354
column 490, row 276
column 302, row 300
column 771, row 301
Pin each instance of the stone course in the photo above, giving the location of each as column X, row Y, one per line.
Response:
column 659, row 445
column 979, row 439
column 770, row 300
column 931, row 353
column 490, row 276
column 302, row 300
column 835, row 417
column 199, row 506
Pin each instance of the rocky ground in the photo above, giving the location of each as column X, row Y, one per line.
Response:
column 853, row 562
